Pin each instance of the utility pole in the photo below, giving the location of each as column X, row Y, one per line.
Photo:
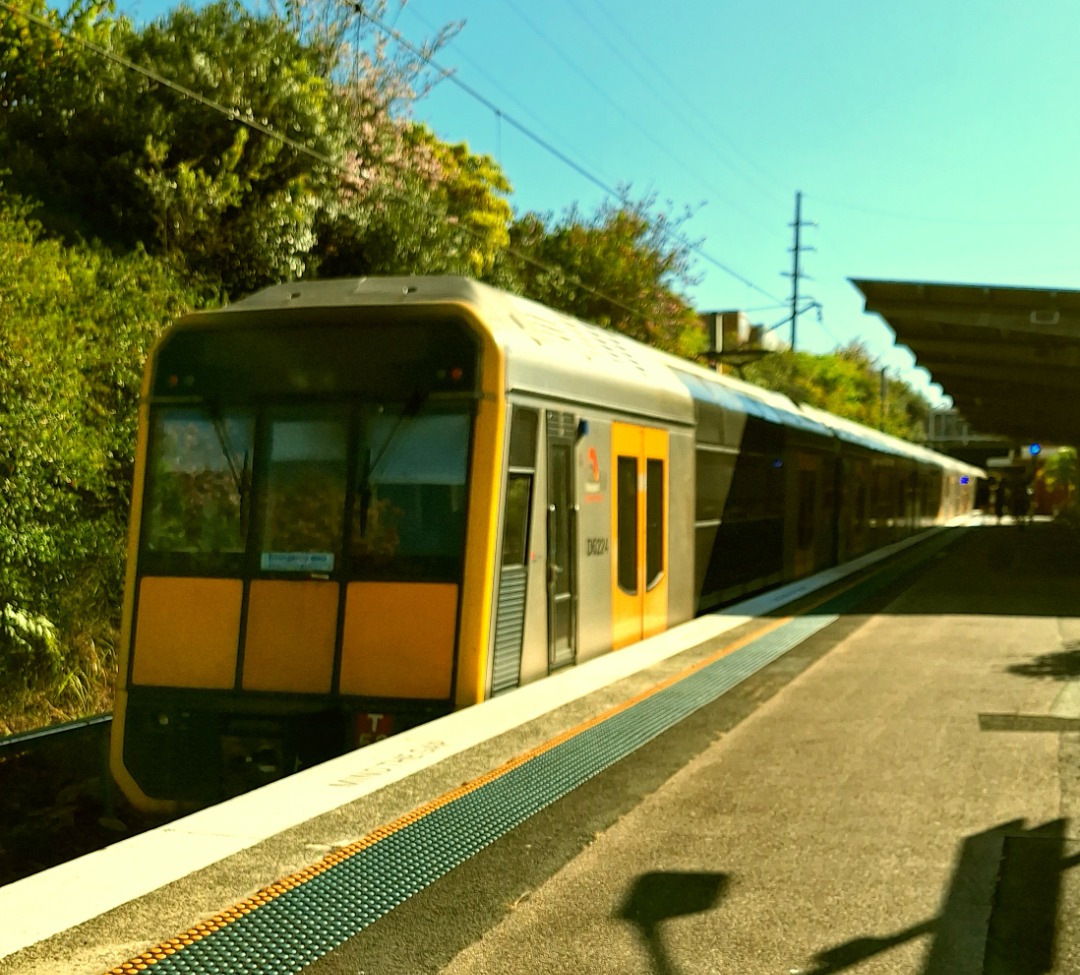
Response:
column 795, row 269
column 796, row 265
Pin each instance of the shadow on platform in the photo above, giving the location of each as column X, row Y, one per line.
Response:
column 1013, row 872
column 1063, row 665
column 660, row 896
column 996, row 570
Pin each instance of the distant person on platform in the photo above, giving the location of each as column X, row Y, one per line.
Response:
column 1021, row 503
column 999, row 500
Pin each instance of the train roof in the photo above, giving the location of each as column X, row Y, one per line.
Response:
column 559, row 356
column 856, row 433
column 546, row 352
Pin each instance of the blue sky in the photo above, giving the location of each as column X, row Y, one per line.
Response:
column 932, row 141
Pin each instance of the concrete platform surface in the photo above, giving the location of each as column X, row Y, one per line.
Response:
column 859, row 820
column 897, row 792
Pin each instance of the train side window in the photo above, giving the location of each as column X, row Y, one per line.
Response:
column 654, row 522
column 807, row 496
column 523, row 430
column 515, row 550
column 627, row 503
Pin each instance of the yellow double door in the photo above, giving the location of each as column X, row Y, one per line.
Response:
column 639, row 584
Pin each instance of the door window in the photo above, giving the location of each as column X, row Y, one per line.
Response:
column 627, row 503
column 654, row 522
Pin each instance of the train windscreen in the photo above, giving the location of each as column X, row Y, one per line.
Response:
column 326, row 452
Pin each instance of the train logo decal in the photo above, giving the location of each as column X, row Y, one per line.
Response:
column 592, row 476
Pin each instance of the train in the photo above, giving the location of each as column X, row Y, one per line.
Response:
column 360, row 504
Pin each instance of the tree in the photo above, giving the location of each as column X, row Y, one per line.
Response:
column 848, row 384
column 76, row 326
column 621, row 269
column 420, row 206
column 351, row 186
column 116, row 155
column 1059, row 472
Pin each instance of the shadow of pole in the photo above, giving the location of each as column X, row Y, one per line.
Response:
column 660, row 896
column 999, row 914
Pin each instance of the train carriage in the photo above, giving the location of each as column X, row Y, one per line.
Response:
column 361, row 504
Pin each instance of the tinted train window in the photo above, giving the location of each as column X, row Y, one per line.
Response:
column 628, row 524
column 199, row 487
column 654, row 522
column 523, row 437
column 713, row 479
column 515, row 549
column 409, row 513
column 807, row 498
column 303, row 507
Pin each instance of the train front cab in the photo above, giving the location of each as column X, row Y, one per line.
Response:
column 311, row 544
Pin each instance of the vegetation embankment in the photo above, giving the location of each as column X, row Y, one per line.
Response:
column 124, row 201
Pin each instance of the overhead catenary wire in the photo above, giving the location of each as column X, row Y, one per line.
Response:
column 643, row 56
column 645, row 131
column 451, row 77
column 247, row 119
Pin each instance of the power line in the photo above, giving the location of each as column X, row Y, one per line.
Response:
column 483, row 72
column 645, row 57
column 596, row 181
column 940, row 219
column 645, row 131
column 246, row 118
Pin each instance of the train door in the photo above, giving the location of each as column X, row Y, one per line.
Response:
column 561, row 541
column 639, row 528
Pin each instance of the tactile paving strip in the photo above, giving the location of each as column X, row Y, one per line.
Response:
column 289, row 925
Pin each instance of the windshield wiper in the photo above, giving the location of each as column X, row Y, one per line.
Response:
column 241, row 475
column 412, row 407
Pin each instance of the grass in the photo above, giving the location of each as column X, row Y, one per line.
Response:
column 48, row 677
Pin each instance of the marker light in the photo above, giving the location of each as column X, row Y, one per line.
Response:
column 1035, row 449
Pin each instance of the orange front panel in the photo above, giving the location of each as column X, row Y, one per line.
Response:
column 399, row 639
column 186, row 632
column 289, row 641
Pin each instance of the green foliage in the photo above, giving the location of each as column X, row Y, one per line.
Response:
column 620, row 269
column 1059, row 469
column 414, row 205
column 114, row 155
column 848, row 384
column 30, row 655
column 75, row 326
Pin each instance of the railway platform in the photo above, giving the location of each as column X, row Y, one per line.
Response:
column 878, row 773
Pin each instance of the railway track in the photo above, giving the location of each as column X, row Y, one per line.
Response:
column 56, row 798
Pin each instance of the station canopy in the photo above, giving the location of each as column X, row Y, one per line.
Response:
column 1008, row 357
